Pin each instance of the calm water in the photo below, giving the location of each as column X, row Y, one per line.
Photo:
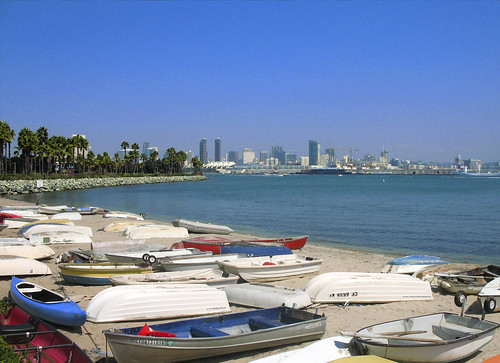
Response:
column 456, row 218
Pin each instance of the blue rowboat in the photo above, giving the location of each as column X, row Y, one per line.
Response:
column 212, row 336
column 46, row 304
column 255, row 250
column 411, row 264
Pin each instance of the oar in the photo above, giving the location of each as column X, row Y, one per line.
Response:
column 393, row 337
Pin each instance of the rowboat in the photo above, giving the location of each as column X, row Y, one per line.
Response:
column 152, row 257
column 53, row 209
column 46, row 304
column 20, row 222
column 215, row 244
column 146, row 302
column 59, row 221
column 324, row 351
column 54, row 237
column 489, row 296
column 411, row 264
column 197, row 262
column 87, row 210
column 428, row 273
column 97, row 273
column 272, row 268
column 125, row 215
column 36, row 252
column 200, row 227
column 212, row 277
column 4, row 215
column 13, row 241
column 213, row 336
column 121, row 246
column 37, row 339
column 255, row 249
column 361, row 287
column 120, row 226
column 72, row 216
column 154, row 231
column 470, row 281
column 441, row 337
column 19, row 266
column 46, row 227
column 266, row 296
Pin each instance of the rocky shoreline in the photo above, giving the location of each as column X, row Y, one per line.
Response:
column 12, row 187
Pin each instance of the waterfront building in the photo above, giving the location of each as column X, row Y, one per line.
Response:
column 218, row 154
column 304, row 160
column 275, row 150
column 145, row 146
column 290, row 159
column 233, row 156
column 248, row 156
column 384, row 157
column 473, row 164
column 203, row 151
column 314, row 155
column 281, row 156
column 264, row 155
column 189, row 158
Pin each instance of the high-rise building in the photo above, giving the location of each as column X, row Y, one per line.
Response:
column 218, row 154
column 248, row 156
column 264, row 155
column 314, row 147
column 384, row 157
column 233, row 156
column 203, row 151
column 281, row 156
column 275, row 150
column 145, row 146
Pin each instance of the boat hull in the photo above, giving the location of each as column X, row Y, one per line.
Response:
column 448, row 337
column 266, row 296
column 38, row 338
column 199, row 227
column 128, row 347
column 60, row 310
column 411, row 264
column 97, row 273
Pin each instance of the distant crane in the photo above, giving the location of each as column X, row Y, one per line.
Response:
column 351, row 149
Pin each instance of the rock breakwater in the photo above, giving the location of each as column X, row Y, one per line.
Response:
column 11, row 187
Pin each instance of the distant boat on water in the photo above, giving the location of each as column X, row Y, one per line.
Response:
column 463, row 171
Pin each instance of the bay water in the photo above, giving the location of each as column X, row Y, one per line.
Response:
column 454, row 217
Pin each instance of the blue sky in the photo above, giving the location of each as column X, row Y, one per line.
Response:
column 420, row 79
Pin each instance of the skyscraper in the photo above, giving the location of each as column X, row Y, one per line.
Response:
column 203, row 151
column 313, row 152
column 218, row 154
column 233, row 156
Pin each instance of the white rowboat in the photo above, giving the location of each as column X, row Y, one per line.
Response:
column 140, row 302
column 19, row 266
column 266, row 296
column 200, row 227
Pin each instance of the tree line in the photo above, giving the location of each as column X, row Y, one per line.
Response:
column 37, row 152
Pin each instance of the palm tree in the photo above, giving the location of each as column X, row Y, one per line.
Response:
column 6, row 138
column 90, row 160
column 42, row 135
column 27, row 143
column 197, row 165
column 117, row 161
column 125, row 145
column 135, row 148
column 153, row 157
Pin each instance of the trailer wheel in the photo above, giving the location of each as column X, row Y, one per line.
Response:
column 460, row 298
column 145, row 257
column 152, row 259
column 489, row 305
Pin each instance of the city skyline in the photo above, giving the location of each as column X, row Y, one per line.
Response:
column 419, row 79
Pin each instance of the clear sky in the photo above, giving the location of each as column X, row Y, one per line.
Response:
column 418, row 78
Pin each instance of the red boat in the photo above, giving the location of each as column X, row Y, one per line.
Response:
column 4, row 215
column 214, row 244
column 37, row 340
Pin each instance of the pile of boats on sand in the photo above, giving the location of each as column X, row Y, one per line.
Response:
column 206, row 275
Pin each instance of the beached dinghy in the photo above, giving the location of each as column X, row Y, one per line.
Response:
column 215, row 244
column 56, row 228
column 471, row 281
column 46, row 304
column 124, row 215
column 146, row 302
column 489, row 296
column 155, row 231
column 212, row 277
column 36, row 339
column 72, row 216
column 272, row 268
column 200, row 227
column 13, row 241
column 53, row 209
column 213, row 336
column 428, row 273
column 442, row 337
column 361, row 287
column 97, row 273
column 121, row 246
column 19, row 266
column 323, row 351
column 411, row 264
column 255, row 249
column 266, row 296
column 20, row 222
column 59, row 221
column 56, row 237
column 120, row 226
column 197, row 262
column 34, row 251
column 153, row 257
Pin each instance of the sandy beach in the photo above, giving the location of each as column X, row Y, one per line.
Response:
column 350, row 318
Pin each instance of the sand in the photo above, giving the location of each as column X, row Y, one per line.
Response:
column 349, row 318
